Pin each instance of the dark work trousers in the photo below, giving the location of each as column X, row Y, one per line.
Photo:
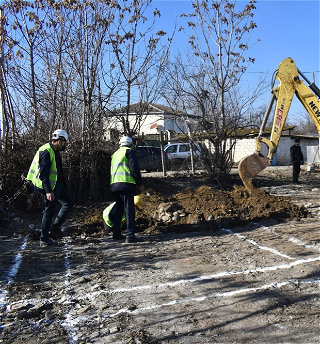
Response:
column 62, row 196
column 124, row 203
column 295, row 171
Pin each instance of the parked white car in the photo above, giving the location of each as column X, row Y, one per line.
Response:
column 181, row 150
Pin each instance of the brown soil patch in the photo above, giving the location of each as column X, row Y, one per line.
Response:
column 212, row 209
column 217, row 208
column 205, row 205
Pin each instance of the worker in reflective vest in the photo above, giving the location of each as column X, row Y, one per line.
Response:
column 47, row 177
column 124, row 178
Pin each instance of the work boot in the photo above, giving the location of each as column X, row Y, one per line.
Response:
column 132, row 239
column 56, row 234
column 118, row 237
column 47, row 242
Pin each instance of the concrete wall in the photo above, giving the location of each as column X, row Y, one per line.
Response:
column 246, row 147
column 243, row 148
column 313, row 155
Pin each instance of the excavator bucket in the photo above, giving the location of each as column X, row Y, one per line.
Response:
column 250, row 166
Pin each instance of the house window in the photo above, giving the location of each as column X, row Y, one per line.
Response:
column 169, row 124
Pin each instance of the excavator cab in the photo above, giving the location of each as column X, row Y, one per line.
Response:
column 290, row 85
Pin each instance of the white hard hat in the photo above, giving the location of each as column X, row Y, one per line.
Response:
column 126, row 141
column 59, row 134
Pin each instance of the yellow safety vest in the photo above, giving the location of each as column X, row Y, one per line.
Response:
column 120, row 170
column 34, row 170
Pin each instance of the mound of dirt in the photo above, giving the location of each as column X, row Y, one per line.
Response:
column 203, row 208
column 207, row 207
column 189, row 203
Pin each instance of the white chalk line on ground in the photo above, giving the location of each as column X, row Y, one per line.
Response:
column 75, row 320
column 93, row 295
column 276, row 285
column 272, row 250
column 13, row 271
column 72, row 320
column 226, row 273
column 298, row 242
column 222, row 274
column 68, row 323
column 216, row 276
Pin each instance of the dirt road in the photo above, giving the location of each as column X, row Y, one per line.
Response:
column 255, row 283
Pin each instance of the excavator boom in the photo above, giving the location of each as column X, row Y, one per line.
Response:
column 289, row 85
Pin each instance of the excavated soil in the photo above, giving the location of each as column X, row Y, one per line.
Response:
column 212, row 208
column 205, row 208
column 233, row 268
column 204, row 204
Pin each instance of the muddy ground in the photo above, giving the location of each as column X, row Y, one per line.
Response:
column 228, row 268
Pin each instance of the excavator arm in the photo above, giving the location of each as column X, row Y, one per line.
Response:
column 289, row 85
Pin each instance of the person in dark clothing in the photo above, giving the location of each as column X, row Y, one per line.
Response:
column 297, row 159
column 124, row 178
column 47, row 177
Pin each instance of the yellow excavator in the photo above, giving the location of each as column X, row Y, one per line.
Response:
column 290, row 84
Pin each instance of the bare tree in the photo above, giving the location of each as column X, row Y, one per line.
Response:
column 59, row 69
column 71, row 61
column 7, row 120
column 207, row 83
column 305, row 124
column 24, row 41
column 91, row 85
column 140, row 57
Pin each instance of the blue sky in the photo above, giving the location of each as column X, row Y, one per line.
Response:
column 285, row 28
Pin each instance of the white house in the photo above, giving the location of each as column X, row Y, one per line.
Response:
column 152, row 119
